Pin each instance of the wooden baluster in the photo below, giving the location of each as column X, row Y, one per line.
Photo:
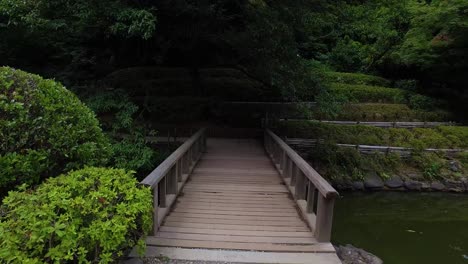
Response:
column 172, row 181
column 300, row 185
column 162, row 192
column 310, row 198
column 184, row 164
column 283, row 160
column 155, row 210
column 190, row 158
column 324, row 219
column 294, row 172
column 286, row 162
column 204, row 142
column 179, row 170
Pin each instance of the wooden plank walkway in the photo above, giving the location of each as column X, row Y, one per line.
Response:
column 235, row 199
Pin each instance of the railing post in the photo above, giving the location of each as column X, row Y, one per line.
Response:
column 300, row 186
column 155, row 211
column 310, row 198
column 172, row 181
column 190, row 157
column 179, row 169
column 294, row 172
column 185, row 164
column 287, row 168
column 162, row 192
column 324, row 219
column 283, row 160
column 205, row 139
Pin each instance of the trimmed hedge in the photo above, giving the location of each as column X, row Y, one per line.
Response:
column 388, row 112
column 439, row 137
column 94, row 215
column 356, row 78
column 367, row 93
column 44, row 130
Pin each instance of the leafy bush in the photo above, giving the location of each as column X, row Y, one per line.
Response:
column 93, row 215
column 44, row 130
column 417, row 101
column 368, row 94
column 348, row 55
column 347, row 163
column 387, row 112
column 116, row 111
column 439, row 137
column 329, row 105
column 133, row 153
column 409, row 85
column 355, row 78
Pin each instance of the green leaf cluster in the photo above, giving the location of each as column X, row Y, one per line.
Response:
column 117, row 113
column 384, row 112
column 356, row 79
column 418, row 138
column 44, row 130
column 93, row 215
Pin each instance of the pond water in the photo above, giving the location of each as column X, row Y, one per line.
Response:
column 405, row 228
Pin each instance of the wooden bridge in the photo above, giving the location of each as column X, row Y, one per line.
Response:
column 240, row 200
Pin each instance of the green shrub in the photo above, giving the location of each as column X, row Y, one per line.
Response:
column 93, row 215
column 116, row 112
column 409, row 85
column 355, row 78
column 440, row 137
column 338, row 163
column 387, row 112
column 44, row 130
column 114, row 109
column 417, row 101
column 368, row 94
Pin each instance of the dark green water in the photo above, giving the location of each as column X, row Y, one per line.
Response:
column 405, row 228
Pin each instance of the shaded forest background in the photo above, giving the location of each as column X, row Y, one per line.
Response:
column 281, row 47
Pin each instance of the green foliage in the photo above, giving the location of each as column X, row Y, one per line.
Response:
column 431, row 164
column 410, row 85
column 369, row 94
column 44, row 130
column 388, row 112
column 116, row 112
column 355, row 78
column 114, row 109
column 435, row 46
column 439, row 137
column 329, row 105
column 358, row 35
column 348, row 55
column 134, row 153
column 93, row 215
column 347, row 163
column 268, row 48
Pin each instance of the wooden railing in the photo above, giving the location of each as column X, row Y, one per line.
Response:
column 169, row 177
column 313, row 194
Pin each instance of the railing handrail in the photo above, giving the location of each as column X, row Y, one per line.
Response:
column 157, row 174
column 320, row 183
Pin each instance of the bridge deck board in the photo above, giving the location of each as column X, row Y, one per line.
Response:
column 236, row 200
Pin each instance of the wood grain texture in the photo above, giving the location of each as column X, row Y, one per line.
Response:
column 236, row 200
